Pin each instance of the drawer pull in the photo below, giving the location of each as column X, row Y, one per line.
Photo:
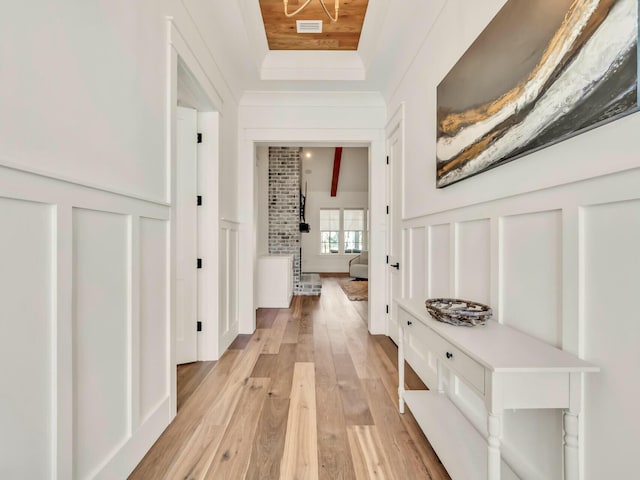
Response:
column 409, row 322
column 449, row 355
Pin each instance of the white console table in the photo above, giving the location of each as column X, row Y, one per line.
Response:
column 506, row 368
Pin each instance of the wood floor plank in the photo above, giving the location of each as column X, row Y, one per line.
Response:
column 283, row 374
column 197, row 454
column 265, row 365
column 354, row 401
column 323, row 357
column 189, row 377
column 306, row 319
column 398, row 445
column 265, row 317
column 304, row 348
column 362, row 308
column 240, row 342
column 300, row 455
column 354, row 334
column 368, row 453
column 232, row 457
column 268, row 443
column 333, row 446
column 336, row 337
column 296, row 307
column 272, row 344
column 334, row 458
column 291, row 331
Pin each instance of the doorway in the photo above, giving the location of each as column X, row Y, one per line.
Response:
column 312, row 205
column 196, row 228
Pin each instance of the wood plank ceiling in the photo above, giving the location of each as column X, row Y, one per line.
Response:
column 341, row 35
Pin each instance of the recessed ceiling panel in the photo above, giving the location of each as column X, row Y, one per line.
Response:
column 341, row 35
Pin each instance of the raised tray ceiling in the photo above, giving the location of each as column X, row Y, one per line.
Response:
column 341, row 35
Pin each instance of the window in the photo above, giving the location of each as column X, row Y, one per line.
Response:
column 353, row 227
column 342, row 231
column 330, row 231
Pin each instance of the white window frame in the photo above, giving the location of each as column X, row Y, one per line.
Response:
column 341, row 231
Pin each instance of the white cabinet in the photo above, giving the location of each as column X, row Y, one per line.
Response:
column 505, row 367
column 275, row 281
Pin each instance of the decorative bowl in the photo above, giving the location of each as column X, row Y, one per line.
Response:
column 458, row 312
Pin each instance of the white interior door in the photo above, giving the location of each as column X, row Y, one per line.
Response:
column 186, row 237
column 394, row 230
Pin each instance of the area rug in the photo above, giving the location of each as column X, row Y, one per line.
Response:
column 355, row 289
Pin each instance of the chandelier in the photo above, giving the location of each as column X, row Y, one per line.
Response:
column 324, row 7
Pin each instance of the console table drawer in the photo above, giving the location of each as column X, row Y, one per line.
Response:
column 451, row 357
column 464, row 366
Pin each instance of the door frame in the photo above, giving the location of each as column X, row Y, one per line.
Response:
column 301, row 137
column 184, row 67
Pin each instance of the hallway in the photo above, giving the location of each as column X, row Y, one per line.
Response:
column 309, row 395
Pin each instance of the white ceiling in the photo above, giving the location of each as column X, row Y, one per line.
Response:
column 392, row 34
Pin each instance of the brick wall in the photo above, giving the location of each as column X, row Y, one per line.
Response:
column 284, row 205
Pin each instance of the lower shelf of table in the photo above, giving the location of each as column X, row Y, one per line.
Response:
column 460, row 447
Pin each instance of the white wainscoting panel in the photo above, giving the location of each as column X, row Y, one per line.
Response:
column 417, row 282
column 84, row 322
column 229, row 283
column 154, row 314
column 224, row 280
column 439, row 261
column 561, row 264
column 472, row 260
column 233, row 277
column 531, row 274
column 610, row 290
column 101, row 337
column 27, row 316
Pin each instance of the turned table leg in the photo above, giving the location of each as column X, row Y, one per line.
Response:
column 494, row 428
column 571, row 429
column 401, row 369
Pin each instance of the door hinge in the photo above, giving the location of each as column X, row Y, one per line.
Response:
column 387, row 209
column 387, row 308
column 387, row 159
column 199, row 326
column 199, row 138
column 199, row 263
column 199, row 200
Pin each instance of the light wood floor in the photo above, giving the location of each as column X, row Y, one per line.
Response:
column 310, row 395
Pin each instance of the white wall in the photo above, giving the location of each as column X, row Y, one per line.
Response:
column 549, row 240
column 84, row 97
column 312, row 119
column 85, row 149
column 352, row 192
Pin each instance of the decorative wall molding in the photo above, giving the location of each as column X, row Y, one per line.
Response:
column 91, row 230
column 544, row 261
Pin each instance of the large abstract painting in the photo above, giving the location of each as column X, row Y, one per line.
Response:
column 542, row 71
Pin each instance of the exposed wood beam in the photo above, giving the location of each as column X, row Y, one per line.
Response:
column 337, row 157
